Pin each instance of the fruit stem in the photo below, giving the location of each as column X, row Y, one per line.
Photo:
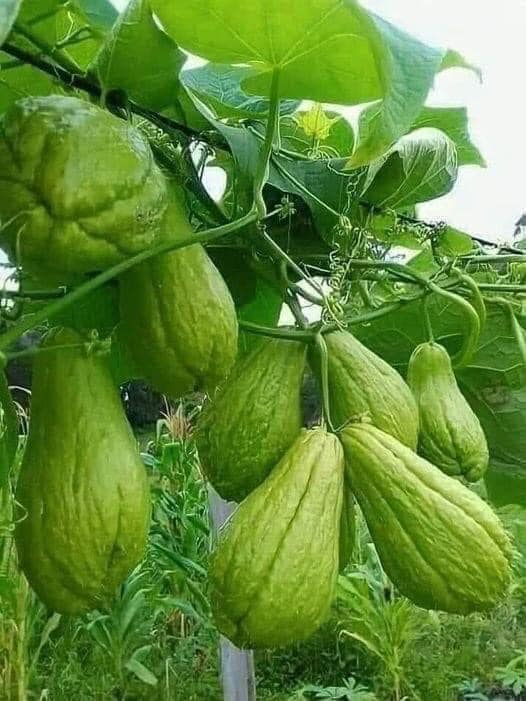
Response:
column 306, row 335
column 283, row 256
column 516, row 328
column 427, row 319
column 471, row 338
column 324, row 374
column 272, row 131
column 477, row 299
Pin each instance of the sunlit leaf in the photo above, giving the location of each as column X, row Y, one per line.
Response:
column 421, row 166
column 325, row 50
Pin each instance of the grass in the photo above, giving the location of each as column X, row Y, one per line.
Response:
column 158, row 641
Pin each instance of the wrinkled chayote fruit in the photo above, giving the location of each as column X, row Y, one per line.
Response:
column 82, row 486
column 275, row 566
column 441, row 545
column 362, row 384
column 177, row 315
column 451, row 436
column 252, row 420
column 79, row 188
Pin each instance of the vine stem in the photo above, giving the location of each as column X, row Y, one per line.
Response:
column 36, row 350
column 295, row 307
column 504, row 258
column 472, row 336
column 33, row 294
column 291, row 263
column 490, row 287
column 397, row 268
column 54, row 308
column 478, row 300
column 290, row 334
column 516, row 328
column 262, row 171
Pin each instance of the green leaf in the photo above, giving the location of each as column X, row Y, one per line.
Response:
column 321, row 183
column 100, row 13
column 421, row 166
column 385, row 227
column 264, row 308
column 453, row 121
column 325, row 50
column 141, row 671
column 8, row 12
column 453, row 243
column 220, row 86
column 157, row 60
column 51, row 22
column 98, row 310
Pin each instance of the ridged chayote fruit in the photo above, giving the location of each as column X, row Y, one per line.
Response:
column 361, row 383
column 255, row 416
column 177, row 315
column 441, row 545
column 82, row 485
column 79, row 188
column 275, row 566
column 451, row 436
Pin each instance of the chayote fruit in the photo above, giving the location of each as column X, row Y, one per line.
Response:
column 177, row 316
column 8, row 431
column 451, row 436
column 82, row 484
column 255, row 416
column 361, row 383
column 275, row 566
column 79, row 188
column 441, row 545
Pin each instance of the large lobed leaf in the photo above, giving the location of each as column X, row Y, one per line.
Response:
column 325, row 50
